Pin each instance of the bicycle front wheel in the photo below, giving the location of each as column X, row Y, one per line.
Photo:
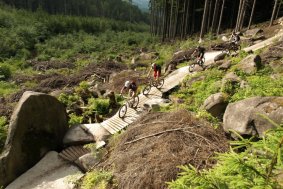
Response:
column 160, row 84
column 146, row 89
column 123, row 111
column 136, row 100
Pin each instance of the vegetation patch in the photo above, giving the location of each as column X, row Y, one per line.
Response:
column 97, row 179
column 3, row 131
column 147, row 154
column 255, row 167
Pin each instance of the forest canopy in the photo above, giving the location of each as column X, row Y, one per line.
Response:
column 115, row 9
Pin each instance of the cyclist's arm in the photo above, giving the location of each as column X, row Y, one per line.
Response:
column 122, row 90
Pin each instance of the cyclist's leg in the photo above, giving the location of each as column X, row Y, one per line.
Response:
column 155, row 75
column 131, row 93
column 158, row 74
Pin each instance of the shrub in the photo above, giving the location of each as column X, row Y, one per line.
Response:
column 5, row 72
column 96, row 179
column 74, row 119
column 100, row 106
column 3, row 131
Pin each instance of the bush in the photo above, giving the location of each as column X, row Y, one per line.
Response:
column 96, row 179
column 5, row 72
column 74, row 119
column 100, row 106
column 3, row 131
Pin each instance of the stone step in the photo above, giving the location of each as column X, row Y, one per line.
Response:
column 73, row 153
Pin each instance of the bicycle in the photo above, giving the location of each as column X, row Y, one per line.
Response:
column 131, row 102
column 153, row 83
column 199, row 62
column 231, row 47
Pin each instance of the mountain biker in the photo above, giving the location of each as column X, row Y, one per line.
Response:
column 235, row 38
column 156, row 70
column 199, row 51
column 131, row 86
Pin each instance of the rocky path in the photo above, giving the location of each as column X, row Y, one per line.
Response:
column 53, row 172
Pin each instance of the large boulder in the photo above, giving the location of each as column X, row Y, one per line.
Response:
column 253, row 32
column 38, row 124
column 148, row 56
column 247, row 116
column 216, row 105
column 220, row 56
column 182, row 56
column 250, row 64
column 50, row 172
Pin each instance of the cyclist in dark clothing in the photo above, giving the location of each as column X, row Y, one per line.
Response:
column 235, row 38
column 199, row 52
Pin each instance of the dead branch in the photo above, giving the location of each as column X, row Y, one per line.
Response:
column 155, row 134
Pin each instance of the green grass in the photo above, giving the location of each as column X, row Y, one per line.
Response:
column 96, row 179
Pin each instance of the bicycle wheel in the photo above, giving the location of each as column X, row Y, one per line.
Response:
column 135, row 102
column 191, row 68
column 123, row 111
column 146, row 89
column 160, row 84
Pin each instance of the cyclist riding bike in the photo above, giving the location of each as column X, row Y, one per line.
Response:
column 156, row 71
column 199, row 51
column 235, row 39
column 131, row 86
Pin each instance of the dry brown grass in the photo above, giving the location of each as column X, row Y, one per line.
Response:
column 152, row 161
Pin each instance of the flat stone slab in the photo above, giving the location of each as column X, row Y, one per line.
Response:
column 51, row 172
column 78, row 135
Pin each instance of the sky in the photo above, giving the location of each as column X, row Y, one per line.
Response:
column 142, row 4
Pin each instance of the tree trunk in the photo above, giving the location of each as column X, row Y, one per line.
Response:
column 273, row 13
column 208, row 25
column 187, row 17
column 204, row 19
column 193, row 17
column 239, row 15
column 243, row 15
column 215, row 14
column 221, row 16
column 252, row 14
column 278, row 10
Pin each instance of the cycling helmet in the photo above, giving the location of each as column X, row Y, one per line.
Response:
column 152, row 65
column 127, row 84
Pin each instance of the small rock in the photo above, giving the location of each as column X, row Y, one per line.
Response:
column 87, row 161
column 232, row 77
column 244, row 84
column 225, row 66
column 216, row 105
column 221, row 56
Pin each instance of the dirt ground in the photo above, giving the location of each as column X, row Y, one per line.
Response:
column 147, row 154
